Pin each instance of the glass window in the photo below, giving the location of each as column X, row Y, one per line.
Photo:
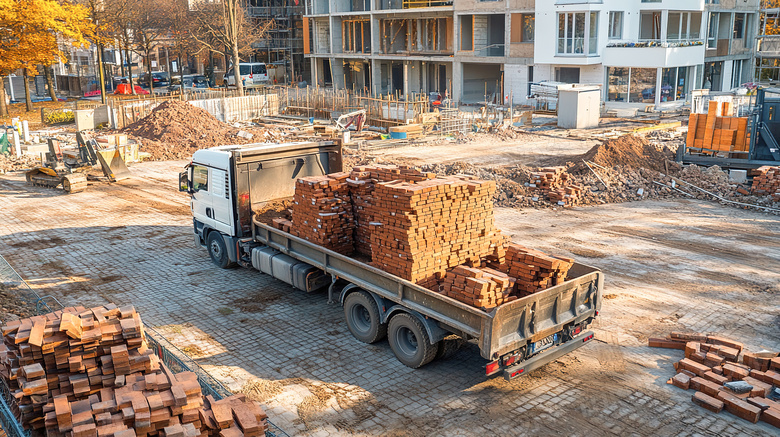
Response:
column 650, row 26
column 694, row 31
column 571, row 32
column 529, row 26
column 739, row 26
column 673, row 31
column 244, row 69
column 617, row 84
column 200, row 178
column 682, row 83
column 712, row 31
column 616, row 25
column 668, row 81
column 258, row 69
column 642, row 85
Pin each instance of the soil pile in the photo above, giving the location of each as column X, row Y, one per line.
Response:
column 176, row 129
column 627, row 151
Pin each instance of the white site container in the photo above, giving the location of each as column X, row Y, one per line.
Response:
column 579, row 107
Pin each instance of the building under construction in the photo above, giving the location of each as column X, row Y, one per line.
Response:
column 283, row 42
column 768, row 43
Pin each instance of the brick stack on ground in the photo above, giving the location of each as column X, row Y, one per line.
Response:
column 420, row 230
column 718, row 131
column 712, row 362
column 554, row 184
column 322, row 212
column 766, row 182
column 87, row 372
column 482, row 287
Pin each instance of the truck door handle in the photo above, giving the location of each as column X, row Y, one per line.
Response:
column 209, row 213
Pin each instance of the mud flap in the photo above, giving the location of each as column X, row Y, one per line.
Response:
column 113, row 165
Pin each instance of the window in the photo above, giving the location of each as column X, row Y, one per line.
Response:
column 200, row 178
column 650, row 26
column 712, row 2
column 683, row 26
column 736, row 80
column 617, row 84
column 739, row 26
column 642, row 85
column 712, row 31
column 651, row 1
column 258, row 69
column 674, row 84
column 244, row 69
column 616, row 25
column 577, row 33
column 522, row 28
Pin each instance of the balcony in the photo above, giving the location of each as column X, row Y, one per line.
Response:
column 274, row 11
column 654, row 54
column 389, row 5
column 768, row 46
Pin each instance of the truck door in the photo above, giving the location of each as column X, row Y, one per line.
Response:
column 221, row 201
column 201, row 203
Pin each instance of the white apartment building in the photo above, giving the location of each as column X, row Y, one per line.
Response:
column 645, row 51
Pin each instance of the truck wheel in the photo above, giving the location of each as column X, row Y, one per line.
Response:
column 217, row 250
column 448, row 346
column 363, row 318
column 409, row 341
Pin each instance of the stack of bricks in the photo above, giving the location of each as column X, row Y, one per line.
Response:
column 362, row 182
column 483, row 288
column 718, row 130
column 322, row 212
column 88, row 372
column 711, row 367
column 554, row 184
column 533, row 269
column 420, row 230
column 234, row 416
column 766, row 181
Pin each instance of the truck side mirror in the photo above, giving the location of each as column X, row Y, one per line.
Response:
column 184, row 180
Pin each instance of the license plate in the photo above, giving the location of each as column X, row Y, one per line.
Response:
column 544, row 343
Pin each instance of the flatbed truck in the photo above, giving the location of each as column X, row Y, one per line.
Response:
column 228, row 184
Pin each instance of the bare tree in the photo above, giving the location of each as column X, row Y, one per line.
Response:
column 151, row 24
column 227, row 25
column 181, row 42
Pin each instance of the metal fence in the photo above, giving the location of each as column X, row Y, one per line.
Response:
column 169, row 354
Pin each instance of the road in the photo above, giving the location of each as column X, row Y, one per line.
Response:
column 670, row 265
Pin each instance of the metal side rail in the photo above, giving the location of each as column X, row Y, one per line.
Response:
column 543, row 358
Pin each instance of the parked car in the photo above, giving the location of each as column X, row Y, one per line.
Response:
column 252, row 74
column 192, row 82
column 160, row 79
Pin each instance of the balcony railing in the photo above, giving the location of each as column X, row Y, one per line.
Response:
column 275, row 11
column 412, row 4
column 656, row 43
column 490, row 50
column 769, row 45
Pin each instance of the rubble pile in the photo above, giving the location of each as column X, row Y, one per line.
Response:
column 712, row 368
column 766, row 182
column 16, row 163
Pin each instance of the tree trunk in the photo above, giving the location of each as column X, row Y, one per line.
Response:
column 149, row 70
column 130, row 70
column 47, row 73
column 102, row 75
column 181, row 77
column 3, row 107
column 27, row 97
column 237, row 69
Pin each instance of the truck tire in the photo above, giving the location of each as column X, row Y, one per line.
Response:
column 363, row 318
column 448, row 346
column 410, row 342
column 218, row 251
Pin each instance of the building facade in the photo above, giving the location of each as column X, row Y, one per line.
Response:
column 642, row 51
column 468, row 50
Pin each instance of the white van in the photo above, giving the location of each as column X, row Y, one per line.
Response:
column 252, row 74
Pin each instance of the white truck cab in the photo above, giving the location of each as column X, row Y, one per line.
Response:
column 226, row 183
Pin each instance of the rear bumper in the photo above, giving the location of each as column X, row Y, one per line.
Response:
column 540, row 360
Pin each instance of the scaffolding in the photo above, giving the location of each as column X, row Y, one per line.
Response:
column 768, row 43
column 283, row 42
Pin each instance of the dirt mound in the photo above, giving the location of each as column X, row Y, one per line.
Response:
column 176, row 129
column 627, row 151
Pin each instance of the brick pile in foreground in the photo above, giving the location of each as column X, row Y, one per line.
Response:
column 712, row 368
column 421, row 227
column 554, row 184
column 88, row 372
column 766, row 181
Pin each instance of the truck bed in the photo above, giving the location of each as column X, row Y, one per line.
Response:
column 502, row 330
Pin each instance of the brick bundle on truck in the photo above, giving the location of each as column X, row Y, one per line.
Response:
column 391, row 256
column 87, row 372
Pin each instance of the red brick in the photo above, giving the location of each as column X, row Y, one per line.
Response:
column 735, row 372
column 664, row 343
column 705, row 386
column 705, row 401
column 714, row 377
column 697, row 368
column 772, row 417
column 714, row 339
column 759, row 388
column 680, row 380
column 691, row 348
column 739, row 407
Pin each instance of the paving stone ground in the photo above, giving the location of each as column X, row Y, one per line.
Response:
column 673, row 265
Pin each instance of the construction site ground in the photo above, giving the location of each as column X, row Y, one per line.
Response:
column 689, row 265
